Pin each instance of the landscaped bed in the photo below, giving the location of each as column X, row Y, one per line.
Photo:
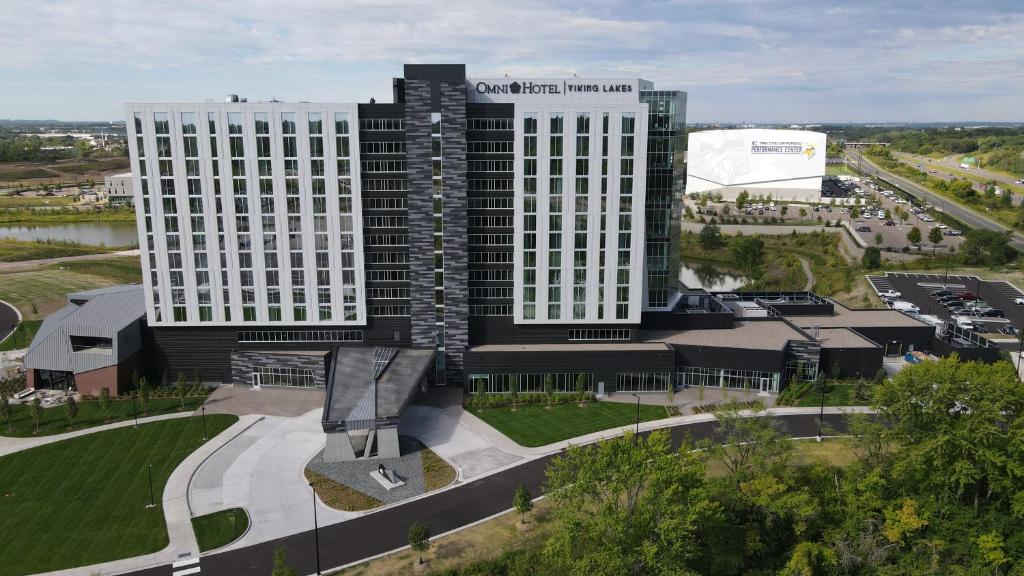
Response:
column 220, row 528
column 537, row 425
column 54, row 420
column 83, row 501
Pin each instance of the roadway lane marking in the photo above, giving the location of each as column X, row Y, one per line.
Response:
column 186, row 572
column 183, row 563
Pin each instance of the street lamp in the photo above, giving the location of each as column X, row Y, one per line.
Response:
column 821, row 414
column 203, row 408
column 135, row 414
column 152, row 501
column 316, row 531
column 637, row 413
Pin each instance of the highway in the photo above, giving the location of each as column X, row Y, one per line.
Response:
column 941, row 203
column 380, row 532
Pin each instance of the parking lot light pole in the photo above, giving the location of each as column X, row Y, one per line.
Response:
column 637, row 396
column 316, row 531
column 203, row 408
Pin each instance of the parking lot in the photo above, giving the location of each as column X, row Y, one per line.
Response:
column 918, row 289
column 894, row 235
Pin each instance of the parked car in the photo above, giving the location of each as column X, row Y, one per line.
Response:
column 863, row 228
column 993, row 313
column 967, row 295
column 955, row 310
column 1008, row 329
column 944, row 299
column 890, row 223
column 904, row 306
column 890, row 293
column 943, row 293
column 950, row 303
column 1018, row 301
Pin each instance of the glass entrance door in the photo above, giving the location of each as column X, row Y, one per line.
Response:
column 255, row 380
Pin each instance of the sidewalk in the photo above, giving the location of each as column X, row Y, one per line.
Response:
column 176, row 513
column 441, row 430
column 10, row 445
column 262, row 471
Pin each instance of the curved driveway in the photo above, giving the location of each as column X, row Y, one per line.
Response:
column 9, row 318
column 385, row 531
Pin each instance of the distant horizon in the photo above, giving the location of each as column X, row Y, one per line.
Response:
column 832, row 62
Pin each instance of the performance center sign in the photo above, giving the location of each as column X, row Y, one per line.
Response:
column 785, row 163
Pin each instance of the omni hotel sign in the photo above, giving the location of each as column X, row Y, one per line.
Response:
column 550, row 87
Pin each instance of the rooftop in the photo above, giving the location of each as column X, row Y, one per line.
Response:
column 755, row 335
column 570, row 347
column 843, row 338
column 847, row 318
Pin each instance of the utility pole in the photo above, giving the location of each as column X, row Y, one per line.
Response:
column 152, row 501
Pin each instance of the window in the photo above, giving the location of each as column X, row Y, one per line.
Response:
column 643, row 381
column 381, row 124
column 728, row 378
column 281, row 376
column 527, row 383
column 604, row 334
column 489, row 124
column 300, row 336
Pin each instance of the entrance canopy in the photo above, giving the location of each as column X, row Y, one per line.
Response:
column 368, row 387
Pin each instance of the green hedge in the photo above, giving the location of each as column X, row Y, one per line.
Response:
column 529, row 398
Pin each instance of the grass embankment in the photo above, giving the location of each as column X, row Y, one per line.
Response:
column 48, row 287
column 496, row 545
column 991, row 208
column 66, row 214
column 537, row 425
column 779, row 267
column 19, row 250
column 842, row 393
column 55, row 421
column 34, row 201
column 83, row 501
column 838, row 170
column 12, row 172
column 220, row 528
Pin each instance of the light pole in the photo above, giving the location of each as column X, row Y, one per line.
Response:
column 203, row 409
column 316, row 531
column 637, row 413
column 1020, row 349
column 135, row 414
column 152, row 502
column 821, row 414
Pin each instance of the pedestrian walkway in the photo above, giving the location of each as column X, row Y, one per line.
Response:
column 9, row 445
column 261, row 471
column 182, row 544
column 441, row 430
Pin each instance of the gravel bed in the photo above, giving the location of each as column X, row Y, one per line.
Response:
column 356, row 475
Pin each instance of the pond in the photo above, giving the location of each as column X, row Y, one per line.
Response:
column 93, row 233
column 710, row 277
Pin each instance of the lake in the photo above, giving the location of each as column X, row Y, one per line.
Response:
column 710, row 277
column 93, row 233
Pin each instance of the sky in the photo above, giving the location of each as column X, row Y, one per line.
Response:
column 799, row 61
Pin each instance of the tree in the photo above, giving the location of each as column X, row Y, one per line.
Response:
column 879, row 239
column 522, row 501
column 872, row 258
column 935, row 235
column 71, row 410
column 105, row 402
column 784, row 210
column 628, row 505
column 741, row 199
column 144, row 394
column 36, row 411
column 281, row 567
column 958, row 417
column 419, row 538
column 35, row 309
column 914, row 235
column 581, row 386
column 181, row 388
column 5, row 411
column 747, row 444
column 986, row 247
column 549, row 388
column 748, row 251
column 513, row 387
column 711, row 237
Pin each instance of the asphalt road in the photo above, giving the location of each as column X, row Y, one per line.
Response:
column 8, row 320
column 965, row 215
column 385, row 531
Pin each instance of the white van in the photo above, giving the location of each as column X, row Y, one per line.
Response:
column 904, row 306
column 964, row 322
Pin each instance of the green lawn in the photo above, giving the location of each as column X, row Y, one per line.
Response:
column 83, row 501
column 836, row 395
column 21, row 337
column 48, row 288
column 220, row 528
column 535, row 425
column 54, row 420
column 19, row 251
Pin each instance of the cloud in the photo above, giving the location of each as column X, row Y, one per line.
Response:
column 876, row 58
